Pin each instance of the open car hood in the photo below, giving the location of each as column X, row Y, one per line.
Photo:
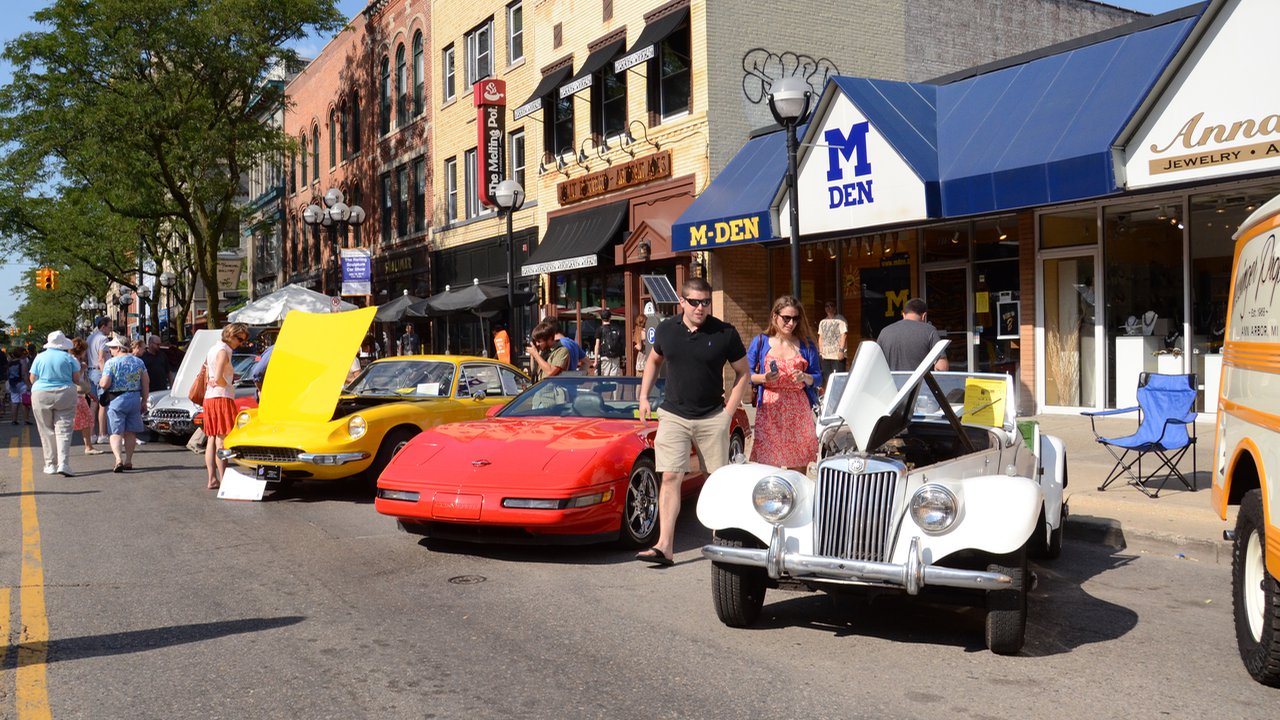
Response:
column 876, row 404
column 197, row 350
column 309, row 365
column 872, row 404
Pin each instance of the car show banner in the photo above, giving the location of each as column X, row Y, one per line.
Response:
column 491, row 125
column 357, row 273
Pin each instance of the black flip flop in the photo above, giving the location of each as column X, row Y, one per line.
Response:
column 655, row 556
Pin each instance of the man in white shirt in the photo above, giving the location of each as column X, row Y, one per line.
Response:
column 95, row 357
column 833, row 333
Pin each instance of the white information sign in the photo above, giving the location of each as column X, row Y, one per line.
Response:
column 238, row 486
column 851, row 177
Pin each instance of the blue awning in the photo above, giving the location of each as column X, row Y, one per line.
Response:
column 734, row 209
column 1041, row 132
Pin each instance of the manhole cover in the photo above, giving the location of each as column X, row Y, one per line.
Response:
column 468, row 579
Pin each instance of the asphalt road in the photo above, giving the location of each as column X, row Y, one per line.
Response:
column 163, row 602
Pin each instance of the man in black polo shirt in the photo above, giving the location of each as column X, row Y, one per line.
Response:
column 694, row 347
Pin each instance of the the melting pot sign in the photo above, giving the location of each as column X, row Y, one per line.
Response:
column 852, row 177
column 491, row 126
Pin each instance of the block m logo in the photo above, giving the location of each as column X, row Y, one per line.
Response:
column 838, row 145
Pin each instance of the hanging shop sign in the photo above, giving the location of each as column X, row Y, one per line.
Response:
column 491, row 126
column 750, row 228
column 1213, row 120
column 853, row 178
column 629, row 174
column 357, row 272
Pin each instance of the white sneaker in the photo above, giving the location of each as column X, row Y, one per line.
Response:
column 139, row 442
column 49, row 470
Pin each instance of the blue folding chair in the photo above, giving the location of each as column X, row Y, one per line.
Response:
column 1166, row 429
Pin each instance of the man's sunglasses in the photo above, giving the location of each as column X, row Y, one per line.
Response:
column 698, row 302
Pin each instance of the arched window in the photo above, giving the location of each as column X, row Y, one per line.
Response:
column 345, row 132
column 315, row 150
column 386, row 95
column 402, row 89
column 333, row 139
column 355, row 124
column 304, row 161
column 417, row 73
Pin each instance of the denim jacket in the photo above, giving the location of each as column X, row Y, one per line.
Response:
column 760, row 348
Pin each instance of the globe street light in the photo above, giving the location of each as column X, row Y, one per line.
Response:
column 335, row 215
column 144, row 294
column 510, row 198
column 789, row 102
column 124, row 299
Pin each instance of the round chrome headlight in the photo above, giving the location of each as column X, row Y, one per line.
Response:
column 774, row 498
column 356, row 427
column 933, row 508
column 242, row 419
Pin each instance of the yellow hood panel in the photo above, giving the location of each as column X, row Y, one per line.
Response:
column 309, row 365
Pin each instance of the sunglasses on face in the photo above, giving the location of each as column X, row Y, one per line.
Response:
column 698, row 302
column 788, row 318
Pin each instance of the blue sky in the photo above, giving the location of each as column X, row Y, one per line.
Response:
column 19, row 12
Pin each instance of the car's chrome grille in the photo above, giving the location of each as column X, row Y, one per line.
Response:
column 170, row 414
column 855, row 514
column 259, row 453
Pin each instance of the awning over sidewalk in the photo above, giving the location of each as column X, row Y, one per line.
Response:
column 734, row 209
column 595, row 61
column 1041, row 132
column 574, row 240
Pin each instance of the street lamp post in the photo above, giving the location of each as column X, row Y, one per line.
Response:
column 789, row 103
column 510, row 197
column 167, row 281
column 124, row 299
column 144, row 296
column 335, row 215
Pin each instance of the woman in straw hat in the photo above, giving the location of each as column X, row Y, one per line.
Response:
column 54, row 375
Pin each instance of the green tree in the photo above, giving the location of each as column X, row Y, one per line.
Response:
column 142, row 114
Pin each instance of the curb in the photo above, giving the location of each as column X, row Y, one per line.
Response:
column 1108, row 532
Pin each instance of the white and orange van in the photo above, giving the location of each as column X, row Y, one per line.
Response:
column 1246, row 468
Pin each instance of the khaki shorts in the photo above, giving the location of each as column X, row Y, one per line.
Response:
column 677, row 436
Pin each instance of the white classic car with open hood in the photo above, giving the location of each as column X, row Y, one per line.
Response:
column 925, row 480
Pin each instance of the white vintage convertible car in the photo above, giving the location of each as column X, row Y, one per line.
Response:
column 925, row 480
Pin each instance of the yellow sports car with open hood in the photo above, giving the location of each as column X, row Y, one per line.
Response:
column 308, row 426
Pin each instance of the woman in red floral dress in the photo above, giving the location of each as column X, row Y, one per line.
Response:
column 785, row 369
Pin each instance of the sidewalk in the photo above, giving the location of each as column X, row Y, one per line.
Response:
column 1177, row 517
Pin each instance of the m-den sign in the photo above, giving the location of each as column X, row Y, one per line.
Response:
column 628, row 174
column 491, row 125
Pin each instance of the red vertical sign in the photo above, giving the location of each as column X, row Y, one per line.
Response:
column 491, row 125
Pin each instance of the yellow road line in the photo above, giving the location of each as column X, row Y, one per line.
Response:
column 4, row 625
column 33, row 648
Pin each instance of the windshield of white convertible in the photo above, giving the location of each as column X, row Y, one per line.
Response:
column 615, row 398
column 405, row 378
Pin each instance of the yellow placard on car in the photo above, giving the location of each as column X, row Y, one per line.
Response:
column 984, row 401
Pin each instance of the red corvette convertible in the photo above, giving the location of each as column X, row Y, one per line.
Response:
column 568, row 461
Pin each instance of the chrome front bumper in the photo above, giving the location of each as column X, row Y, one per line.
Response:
column 308, row 458
column 911, row 576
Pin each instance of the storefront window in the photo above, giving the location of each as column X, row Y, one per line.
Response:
column 590, row 292
column 1068, row 229
column 1142, row 257
column 1069, row 352
column 996, row 296
column 946, row 242
column 1214, row 218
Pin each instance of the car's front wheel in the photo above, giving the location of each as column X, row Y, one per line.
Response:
column 1255, row 594
column 392, row 443
column 640, row 511
column 737, row 590
column 1007, row 607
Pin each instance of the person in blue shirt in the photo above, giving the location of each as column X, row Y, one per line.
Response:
column 259, row 371
column 576, row 353
column 54, row 375
column 125, row 384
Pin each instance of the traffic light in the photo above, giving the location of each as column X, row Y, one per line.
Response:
column 47, row 278
column 53, row 279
